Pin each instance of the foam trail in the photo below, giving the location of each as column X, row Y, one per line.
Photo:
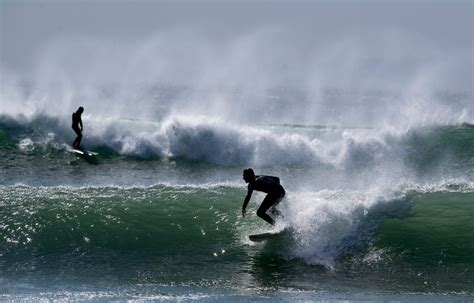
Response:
column 327, row 223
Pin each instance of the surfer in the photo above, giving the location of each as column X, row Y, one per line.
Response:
column 268, row 184
column 76, row 122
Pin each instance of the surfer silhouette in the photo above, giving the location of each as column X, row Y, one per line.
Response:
column 76, row 123
column 267, row 184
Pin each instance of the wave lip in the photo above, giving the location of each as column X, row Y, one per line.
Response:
column 328, row 223
column 436, row 150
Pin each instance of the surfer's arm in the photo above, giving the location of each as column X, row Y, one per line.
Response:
column 246, row 202
column 80, row 123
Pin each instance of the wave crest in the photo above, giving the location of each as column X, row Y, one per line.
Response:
column 197, row 138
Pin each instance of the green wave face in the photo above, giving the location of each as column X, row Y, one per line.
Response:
column 433, row 247
column 43, row 220
column 157, row 235
column 196, row 236
column 439, row 230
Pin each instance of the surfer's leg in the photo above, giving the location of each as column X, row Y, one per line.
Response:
column 77, row 141
column 275, row 212
column 79, row 138
column 268, row 202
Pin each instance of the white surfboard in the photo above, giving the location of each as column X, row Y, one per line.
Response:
column 264, row 236
column 83, row 152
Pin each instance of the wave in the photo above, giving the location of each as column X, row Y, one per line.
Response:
column 217, row 142
column 425, row 226
column 49, row 220
column 324, row 226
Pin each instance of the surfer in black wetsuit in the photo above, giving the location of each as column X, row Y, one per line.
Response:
column 76, row 122
column 268, row 184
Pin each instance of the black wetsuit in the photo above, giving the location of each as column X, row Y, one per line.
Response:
column 76, row 121
column 275, row 192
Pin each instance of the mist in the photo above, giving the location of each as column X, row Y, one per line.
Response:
column 363, row 64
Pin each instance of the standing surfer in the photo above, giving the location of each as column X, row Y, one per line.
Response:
column 76, row 122
column 268, row 184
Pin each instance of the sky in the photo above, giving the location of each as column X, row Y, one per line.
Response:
column 27, row 27
column 227, row 57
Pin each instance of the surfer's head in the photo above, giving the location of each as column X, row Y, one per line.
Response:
column 80, row 110
column 249, row 175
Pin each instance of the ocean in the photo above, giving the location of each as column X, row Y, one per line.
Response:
column 371, row 214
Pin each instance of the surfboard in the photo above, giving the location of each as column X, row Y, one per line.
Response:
column 264, row 236
column 83, row 152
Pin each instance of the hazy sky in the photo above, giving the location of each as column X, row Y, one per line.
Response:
column 231, row 55
column 29, row 26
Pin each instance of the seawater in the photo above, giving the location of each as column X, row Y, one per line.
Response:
column 370, row 214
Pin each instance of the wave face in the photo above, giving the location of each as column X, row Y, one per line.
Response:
column 195, row 236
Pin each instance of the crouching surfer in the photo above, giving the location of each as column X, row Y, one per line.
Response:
column 267, row 184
